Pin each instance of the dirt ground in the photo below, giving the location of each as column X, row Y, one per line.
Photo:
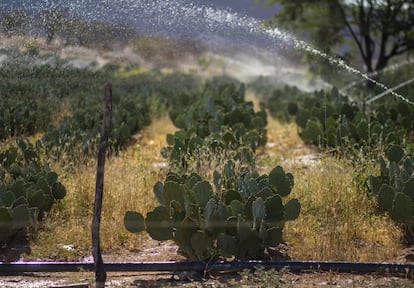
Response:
column 167, row 251
column 136, row 279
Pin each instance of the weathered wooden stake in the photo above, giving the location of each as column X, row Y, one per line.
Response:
column 100, row 274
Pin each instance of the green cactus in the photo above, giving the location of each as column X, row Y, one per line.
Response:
column 292, row 210
column 258, row 212
column 241, row 221
column 8, row 198
column 18, row 188
column 231, row 195
column 274, row 211
column 158, row 224
column 172, row 191
column 402, row 209
column 43, row 186
column 395, row 187
column 157, row 189
column 313, row 132
column 274, row 236
column 281, row 182
column 202, row 193
column 51, row 178
column 210, row 215
column 386, row 197
column 15, row 170
column 235, row 208
column 409, row 188
column 201, row 244
column 250, row 248
column 265, row 193
column 134, row 222
column 363, row 130
column 58, row 191
column 243, row 228
column 226, row 244
column 183, row 236
column 35, row 198
column 20, row 201
column 6, row 224
column 20, row 217
column 395, row 153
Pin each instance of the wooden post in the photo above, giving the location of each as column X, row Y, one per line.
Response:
column 100, row 274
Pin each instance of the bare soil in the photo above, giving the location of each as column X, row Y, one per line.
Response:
column 167, row 251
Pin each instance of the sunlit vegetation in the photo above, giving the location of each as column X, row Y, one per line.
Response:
column 178, row 130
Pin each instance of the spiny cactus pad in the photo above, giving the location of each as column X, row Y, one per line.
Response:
column 134, row 222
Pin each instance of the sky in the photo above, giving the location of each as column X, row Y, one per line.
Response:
column 252, row 8
column 208, row 20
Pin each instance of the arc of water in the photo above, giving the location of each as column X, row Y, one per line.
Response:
column 212, row 20
column 379, row 96
column 338, row 62
column 372, row 74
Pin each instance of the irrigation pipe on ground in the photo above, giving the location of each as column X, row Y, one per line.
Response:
column 294, row 266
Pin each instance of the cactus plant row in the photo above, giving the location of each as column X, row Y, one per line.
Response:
column 28, row 188
column 237, row 213
column 328, row 119
column 210, row 220
column 220, row 120
column 394, row 188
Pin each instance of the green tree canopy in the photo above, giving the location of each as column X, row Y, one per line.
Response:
column 373, row 30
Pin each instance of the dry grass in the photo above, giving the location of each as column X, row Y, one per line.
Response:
column 129, row 179
column 338, row 221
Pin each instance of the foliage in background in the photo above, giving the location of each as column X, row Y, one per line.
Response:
column 76, row 137
column 329, row 119
column 48, row 94
column 34, row 90
column 28, row 188
column 377, row 30
column 280, row 100
column 62, row 24
column 220, row 120
column 136, row 99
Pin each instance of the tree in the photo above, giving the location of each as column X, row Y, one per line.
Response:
column 54, row 22
column 377, row 29
column 14, row 22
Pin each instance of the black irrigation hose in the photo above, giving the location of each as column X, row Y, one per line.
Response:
column 294, row 266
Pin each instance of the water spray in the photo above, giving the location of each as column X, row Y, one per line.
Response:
column 379, row 96
column 332, row 60
column 184, row 18
column 375, row 73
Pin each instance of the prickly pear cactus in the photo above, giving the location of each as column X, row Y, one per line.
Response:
column 394, row 187
column 27, row 188
column 240, row 214
column 221, row 120
column 328, row 119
